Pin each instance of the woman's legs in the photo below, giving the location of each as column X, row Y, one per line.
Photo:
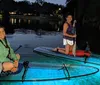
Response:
column 18, row 56
column 71, row 48
column 64, row 50
column 61, row 49
column 67, row 49
column 15, row 68
column 17, row 61
column 58, row 48
column 9, row 66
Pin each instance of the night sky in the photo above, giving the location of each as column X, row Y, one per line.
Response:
column 60, row 2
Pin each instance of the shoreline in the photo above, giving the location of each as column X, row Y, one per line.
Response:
column 45, row 18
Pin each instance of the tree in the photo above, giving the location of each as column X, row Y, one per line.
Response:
column 7, row 5
column 40, row 2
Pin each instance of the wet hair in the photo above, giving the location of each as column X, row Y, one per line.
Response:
column 68, row 15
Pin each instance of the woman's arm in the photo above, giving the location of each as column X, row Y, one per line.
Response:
column 12, row 53
column 15, row 57
column 65, row 27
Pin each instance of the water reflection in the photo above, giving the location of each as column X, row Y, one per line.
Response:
column 39, row 32
column 36, row 24
column 44, row 38
column 19, row 20
column 29, row 21
column 44, row 27
column 13, row 21
column 19, row 31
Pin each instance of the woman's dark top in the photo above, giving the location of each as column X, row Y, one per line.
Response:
column 70, row 31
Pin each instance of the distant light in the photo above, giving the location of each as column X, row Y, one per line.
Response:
column 29, row 14
column 59, row 9
column 12, row 13
column 19, row 20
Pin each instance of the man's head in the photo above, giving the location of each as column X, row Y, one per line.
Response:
column 2, row 32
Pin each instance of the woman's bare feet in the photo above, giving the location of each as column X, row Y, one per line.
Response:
column 55, row 49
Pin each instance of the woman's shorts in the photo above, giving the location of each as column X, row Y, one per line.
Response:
column 0, row 67
column 68, row 42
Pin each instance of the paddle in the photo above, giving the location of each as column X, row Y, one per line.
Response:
column 74, row 47
column 18, row 48
column 26, row 65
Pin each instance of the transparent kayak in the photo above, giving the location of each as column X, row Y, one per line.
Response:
column 33, row 72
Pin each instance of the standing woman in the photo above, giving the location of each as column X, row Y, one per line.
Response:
column 8, row 59
column 68, row 36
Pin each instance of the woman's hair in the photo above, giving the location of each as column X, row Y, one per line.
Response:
column 69, row 14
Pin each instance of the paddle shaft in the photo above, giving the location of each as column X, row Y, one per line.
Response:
column 18, row 48
column 74, row 47
column 26, row 65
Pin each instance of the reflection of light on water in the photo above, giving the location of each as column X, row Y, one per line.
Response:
column 19, row 20
column 29, row 21
column 13, row 21
column 58, row 29
column 37, row 23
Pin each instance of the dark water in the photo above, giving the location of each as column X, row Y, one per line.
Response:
column 42, row 27
column 33, row 24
